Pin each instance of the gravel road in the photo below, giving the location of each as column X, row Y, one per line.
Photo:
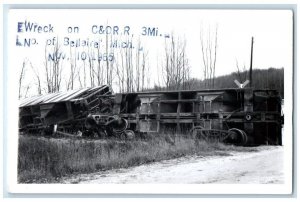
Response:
column 264, row 166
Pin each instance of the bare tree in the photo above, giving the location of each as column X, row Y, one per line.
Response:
column 109, row 61
column 90, row 57
column 128, row 68
column 176, row 64
column 57, row 68
column 21, row 77
column 37, row 75
column 53, row 67
column 84, row 74
column 131, row 67
column 137, row 66
column 73, row 69
column 48, row 71
column 120, row 72
column 111, row 69
column 100, row 68
column 106, row 62
column 26, row 91
column 209, row 45
column 25, row 87
column 144, row 71
column 140, row 73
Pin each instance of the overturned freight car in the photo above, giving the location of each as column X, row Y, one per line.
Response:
column 243, row 116
column 240, row 116
column 67, row 110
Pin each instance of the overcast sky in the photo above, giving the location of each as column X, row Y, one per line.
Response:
column 271, row 29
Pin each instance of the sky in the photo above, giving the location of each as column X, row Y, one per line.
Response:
column 271, row 29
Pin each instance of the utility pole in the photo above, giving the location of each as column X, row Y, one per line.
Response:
column 251, row 62
column 248, row 100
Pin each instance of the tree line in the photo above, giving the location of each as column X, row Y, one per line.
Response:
column 130, row 70
column 271, row 78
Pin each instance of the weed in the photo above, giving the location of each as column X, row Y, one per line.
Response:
column 46, row 160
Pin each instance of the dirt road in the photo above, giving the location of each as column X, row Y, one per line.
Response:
column 263, row 166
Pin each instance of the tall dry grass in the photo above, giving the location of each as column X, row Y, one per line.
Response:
column 45, row 160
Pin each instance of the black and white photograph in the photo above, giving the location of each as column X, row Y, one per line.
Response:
column 160, row 98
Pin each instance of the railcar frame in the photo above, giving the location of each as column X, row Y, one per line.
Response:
column 243, row 116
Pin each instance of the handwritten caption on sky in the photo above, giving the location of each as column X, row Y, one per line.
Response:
column 120, row 37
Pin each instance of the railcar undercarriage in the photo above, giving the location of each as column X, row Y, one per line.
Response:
column 238, row 116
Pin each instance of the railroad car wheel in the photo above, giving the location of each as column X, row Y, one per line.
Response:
column 237, row 136
column 119, row 126
column 121, row 136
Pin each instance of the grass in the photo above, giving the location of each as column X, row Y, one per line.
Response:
column 46, row 160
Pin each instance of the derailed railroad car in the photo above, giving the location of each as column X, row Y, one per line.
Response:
column 241, row 116
column 66, row 110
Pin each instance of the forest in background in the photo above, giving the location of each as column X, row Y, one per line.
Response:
column 271, row 78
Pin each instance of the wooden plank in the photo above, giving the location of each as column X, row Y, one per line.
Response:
column 182, row 114
column 176, row 121
column 158, row 115
column 178, row 101
column 137, row 118
column 178, row 111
